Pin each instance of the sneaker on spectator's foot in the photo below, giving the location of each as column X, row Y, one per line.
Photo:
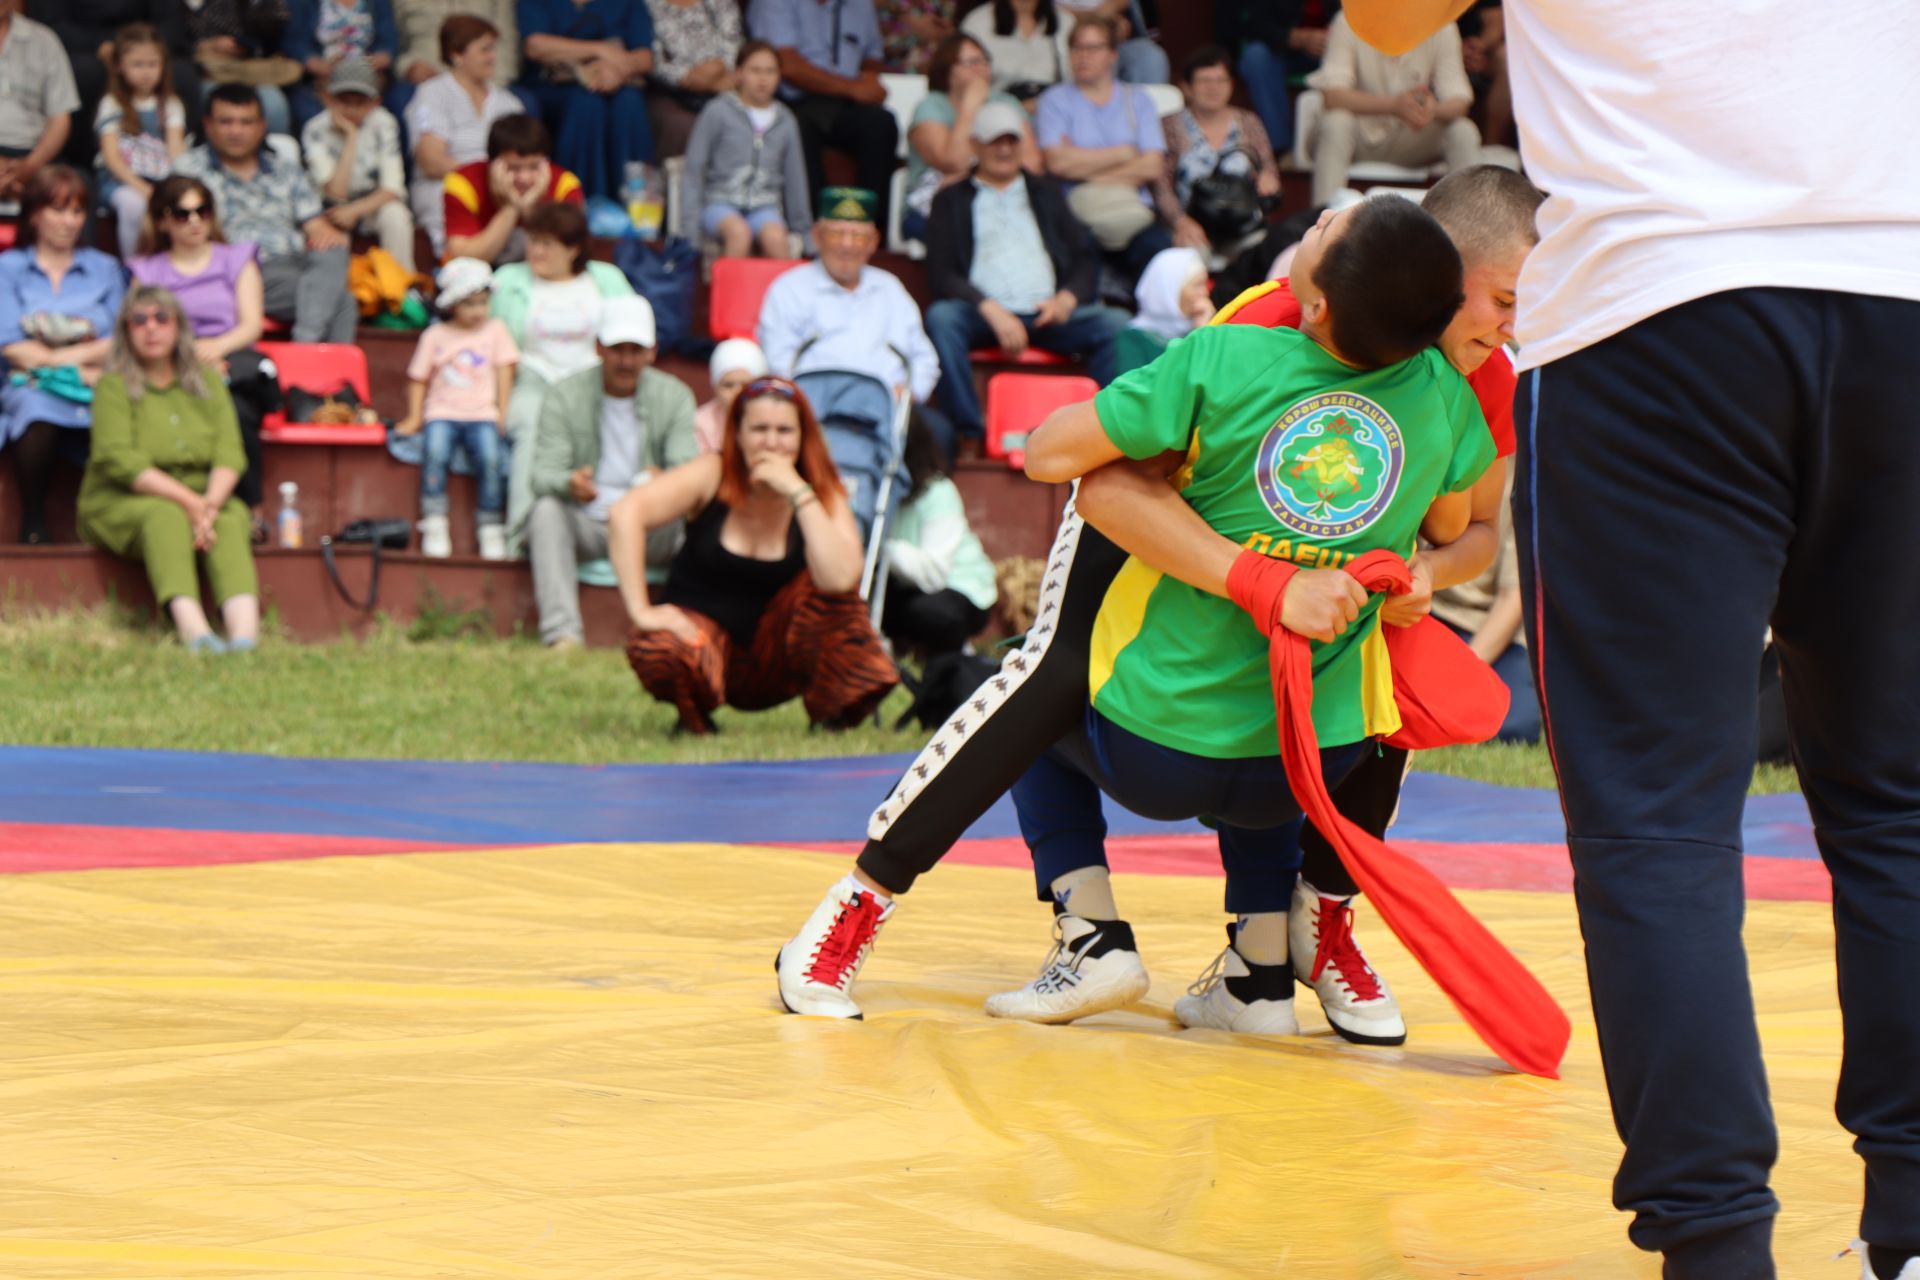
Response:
column 435, row 538
column 1326, row 957
column 1233, row 995
column 493, row 542
column 242, row 644
column 817, row 968
column 206, row 642
column 1094, row 966
column 1908, row 1270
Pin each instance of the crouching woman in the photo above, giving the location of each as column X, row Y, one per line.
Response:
column 159, row 483
column 764, row 593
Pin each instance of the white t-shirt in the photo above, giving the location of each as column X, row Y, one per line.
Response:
column 562, row 317
column 619, row 455
column 1690, row 149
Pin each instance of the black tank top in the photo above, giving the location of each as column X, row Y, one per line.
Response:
column 732, row 590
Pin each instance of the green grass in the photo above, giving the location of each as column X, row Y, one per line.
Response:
column 434, row 690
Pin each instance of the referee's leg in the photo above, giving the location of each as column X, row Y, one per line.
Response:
column 1850, row 671
column 1653, row 514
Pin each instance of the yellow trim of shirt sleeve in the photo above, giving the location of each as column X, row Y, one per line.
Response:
column 1123, row 611
column 462, row 191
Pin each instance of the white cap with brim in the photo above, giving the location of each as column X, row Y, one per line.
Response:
column 460, row 279
column 998, row 120
column 628, row 319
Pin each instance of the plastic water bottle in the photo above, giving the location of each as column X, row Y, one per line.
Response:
column 640, row 193
column 289, row 520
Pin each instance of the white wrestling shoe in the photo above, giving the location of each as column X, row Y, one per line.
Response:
column 1233, row 995
column 1911, row 1271
column 1093, row 967
column 1326, row 957
column 817, row 968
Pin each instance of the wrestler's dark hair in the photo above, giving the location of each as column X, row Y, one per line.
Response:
column 1392, row 280
column 1488, row 211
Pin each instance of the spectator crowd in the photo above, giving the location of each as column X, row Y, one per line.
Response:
column 240, row 148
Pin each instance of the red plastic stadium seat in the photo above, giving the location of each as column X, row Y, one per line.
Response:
column 739, row 285
column 1032, row 355
column 1019, row 402
column 274, row 328
column 9, row 232
column 320, row 366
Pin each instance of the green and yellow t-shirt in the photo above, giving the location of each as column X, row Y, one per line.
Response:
column 1298, row 456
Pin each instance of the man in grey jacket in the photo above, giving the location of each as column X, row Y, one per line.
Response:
column 601, row 432
column 746, row 176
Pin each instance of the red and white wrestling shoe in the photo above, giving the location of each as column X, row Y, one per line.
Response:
column 1326, row 957
column 818, row 967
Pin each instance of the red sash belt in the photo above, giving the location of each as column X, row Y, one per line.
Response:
column 1445, row 695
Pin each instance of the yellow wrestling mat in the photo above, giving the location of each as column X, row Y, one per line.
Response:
column 569, row 1064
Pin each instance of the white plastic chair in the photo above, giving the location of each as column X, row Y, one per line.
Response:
column 1167, row 99
column 904, row 96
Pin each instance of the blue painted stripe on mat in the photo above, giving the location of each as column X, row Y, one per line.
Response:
column 763, row 802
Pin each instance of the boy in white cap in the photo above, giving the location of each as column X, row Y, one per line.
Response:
column 602, row 431
column 457, row 387
column 735, row 363
column 353, row 156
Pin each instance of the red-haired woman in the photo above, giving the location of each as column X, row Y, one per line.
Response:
column 765, row 590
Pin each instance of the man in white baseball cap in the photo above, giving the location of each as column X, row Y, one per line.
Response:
column 601, row 432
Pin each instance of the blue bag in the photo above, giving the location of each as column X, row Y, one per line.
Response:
column 666, row 275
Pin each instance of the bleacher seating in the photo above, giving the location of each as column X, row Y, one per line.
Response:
column 739, row 284
column 1018, row 402
column 1307, row 110
column 904, row 95
column 1167, row 98
column 320, row 367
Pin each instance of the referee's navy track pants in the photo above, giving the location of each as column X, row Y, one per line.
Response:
column 1748, row 458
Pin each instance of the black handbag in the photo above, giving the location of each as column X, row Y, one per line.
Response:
column 1227, row 206
column 395, row 534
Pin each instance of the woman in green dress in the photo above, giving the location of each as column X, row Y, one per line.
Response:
column 159, row 484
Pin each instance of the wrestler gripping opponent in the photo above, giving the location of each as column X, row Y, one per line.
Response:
column 1041, row 690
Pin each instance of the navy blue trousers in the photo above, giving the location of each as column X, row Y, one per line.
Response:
column 1247, row 801
column 1748, row 458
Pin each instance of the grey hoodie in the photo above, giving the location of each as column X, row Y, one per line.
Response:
column 727, row 163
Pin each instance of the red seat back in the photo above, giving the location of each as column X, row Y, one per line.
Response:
column 9, row 232
column 1019, row 402
column 320, row 366
column 739, row 286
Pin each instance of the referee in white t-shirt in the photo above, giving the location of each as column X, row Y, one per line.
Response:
column 1719, row 421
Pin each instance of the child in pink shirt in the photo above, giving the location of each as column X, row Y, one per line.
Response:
column 458, row 384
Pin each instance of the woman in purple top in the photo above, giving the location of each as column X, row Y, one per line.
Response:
column 220, row 291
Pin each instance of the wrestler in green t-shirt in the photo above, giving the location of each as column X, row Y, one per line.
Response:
column 1302, row 457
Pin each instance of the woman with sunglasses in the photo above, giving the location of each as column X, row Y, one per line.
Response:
column 57, row 301
column 221, row 296
column 159, row 485
column 765, row 590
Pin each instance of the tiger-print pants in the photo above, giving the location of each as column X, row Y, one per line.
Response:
column 819, row 648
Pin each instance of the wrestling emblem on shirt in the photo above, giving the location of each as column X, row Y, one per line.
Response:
column 1329, row 467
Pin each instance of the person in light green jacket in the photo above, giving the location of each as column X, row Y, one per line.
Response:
column 601, row 432
column 159, row 484
column 940, row 585
column 551, row 305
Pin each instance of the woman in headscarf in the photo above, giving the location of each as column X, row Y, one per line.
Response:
column 1173, row 301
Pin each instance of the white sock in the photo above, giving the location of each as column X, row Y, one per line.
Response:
column 850, row 885
column 1261, row 938
column 1087, row 893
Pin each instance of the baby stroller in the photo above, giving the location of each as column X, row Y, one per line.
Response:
column 866, row 429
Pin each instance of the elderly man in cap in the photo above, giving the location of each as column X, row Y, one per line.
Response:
column 354, row 158
column 601, row 432
column 1010, row 264
column 840, row 312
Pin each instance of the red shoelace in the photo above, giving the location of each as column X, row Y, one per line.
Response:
column 1338, row 948
column 852, row 930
